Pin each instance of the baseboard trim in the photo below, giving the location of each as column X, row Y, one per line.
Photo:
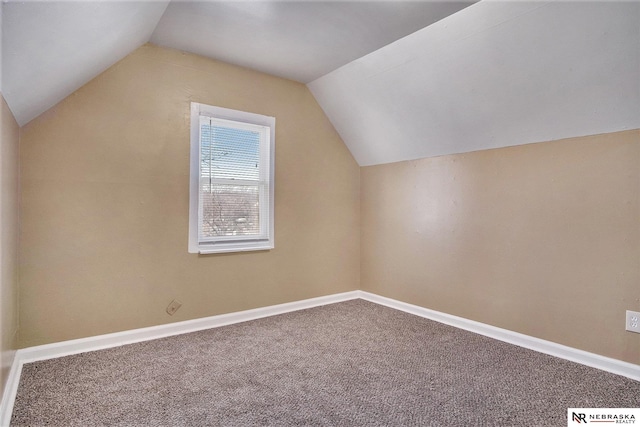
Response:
column 593, row 360
column 66, row 348
column 100, row 342
column 10, row 390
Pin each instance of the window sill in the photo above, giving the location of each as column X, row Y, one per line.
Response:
column 232, row 249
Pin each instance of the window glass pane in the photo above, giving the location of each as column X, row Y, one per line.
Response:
column 229, row 210
column 228, row 153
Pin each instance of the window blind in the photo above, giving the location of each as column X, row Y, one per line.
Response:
column 234, row 181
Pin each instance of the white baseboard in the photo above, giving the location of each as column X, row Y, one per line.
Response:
column 593, row 360
column 10, row 388
column 65, row 348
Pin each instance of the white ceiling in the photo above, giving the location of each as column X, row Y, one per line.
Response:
column 51, row 48
column 492, row 75
column 300, row 40
column 395, row 84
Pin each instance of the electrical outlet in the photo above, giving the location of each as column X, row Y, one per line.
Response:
column 173, row 307
column 633, row 321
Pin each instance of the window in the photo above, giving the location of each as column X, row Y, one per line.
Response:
column 231, row 189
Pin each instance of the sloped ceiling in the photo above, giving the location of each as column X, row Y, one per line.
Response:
column 300, row 40
column 51, row 48
column 492, row 75
column 395, row 84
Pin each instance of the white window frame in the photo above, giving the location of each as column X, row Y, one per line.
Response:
column 265, row 240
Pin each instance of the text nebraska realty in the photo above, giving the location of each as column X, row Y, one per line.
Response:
column 612, row 418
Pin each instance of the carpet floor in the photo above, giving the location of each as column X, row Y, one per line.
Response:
column 353, row 363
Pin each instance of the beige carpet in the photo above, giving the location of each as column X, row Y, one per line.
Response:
column 349, row 364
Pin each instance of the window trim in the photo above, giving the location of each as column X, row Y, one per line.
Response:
column 227, row 244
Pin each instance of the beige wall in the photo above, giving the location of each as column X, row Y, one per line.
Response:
column 105, row 179
column 542, row 239
column 9, row 226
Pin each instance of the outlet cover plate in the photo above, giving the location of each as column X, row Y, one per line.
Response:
column 173, row 307
column 633, row 321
